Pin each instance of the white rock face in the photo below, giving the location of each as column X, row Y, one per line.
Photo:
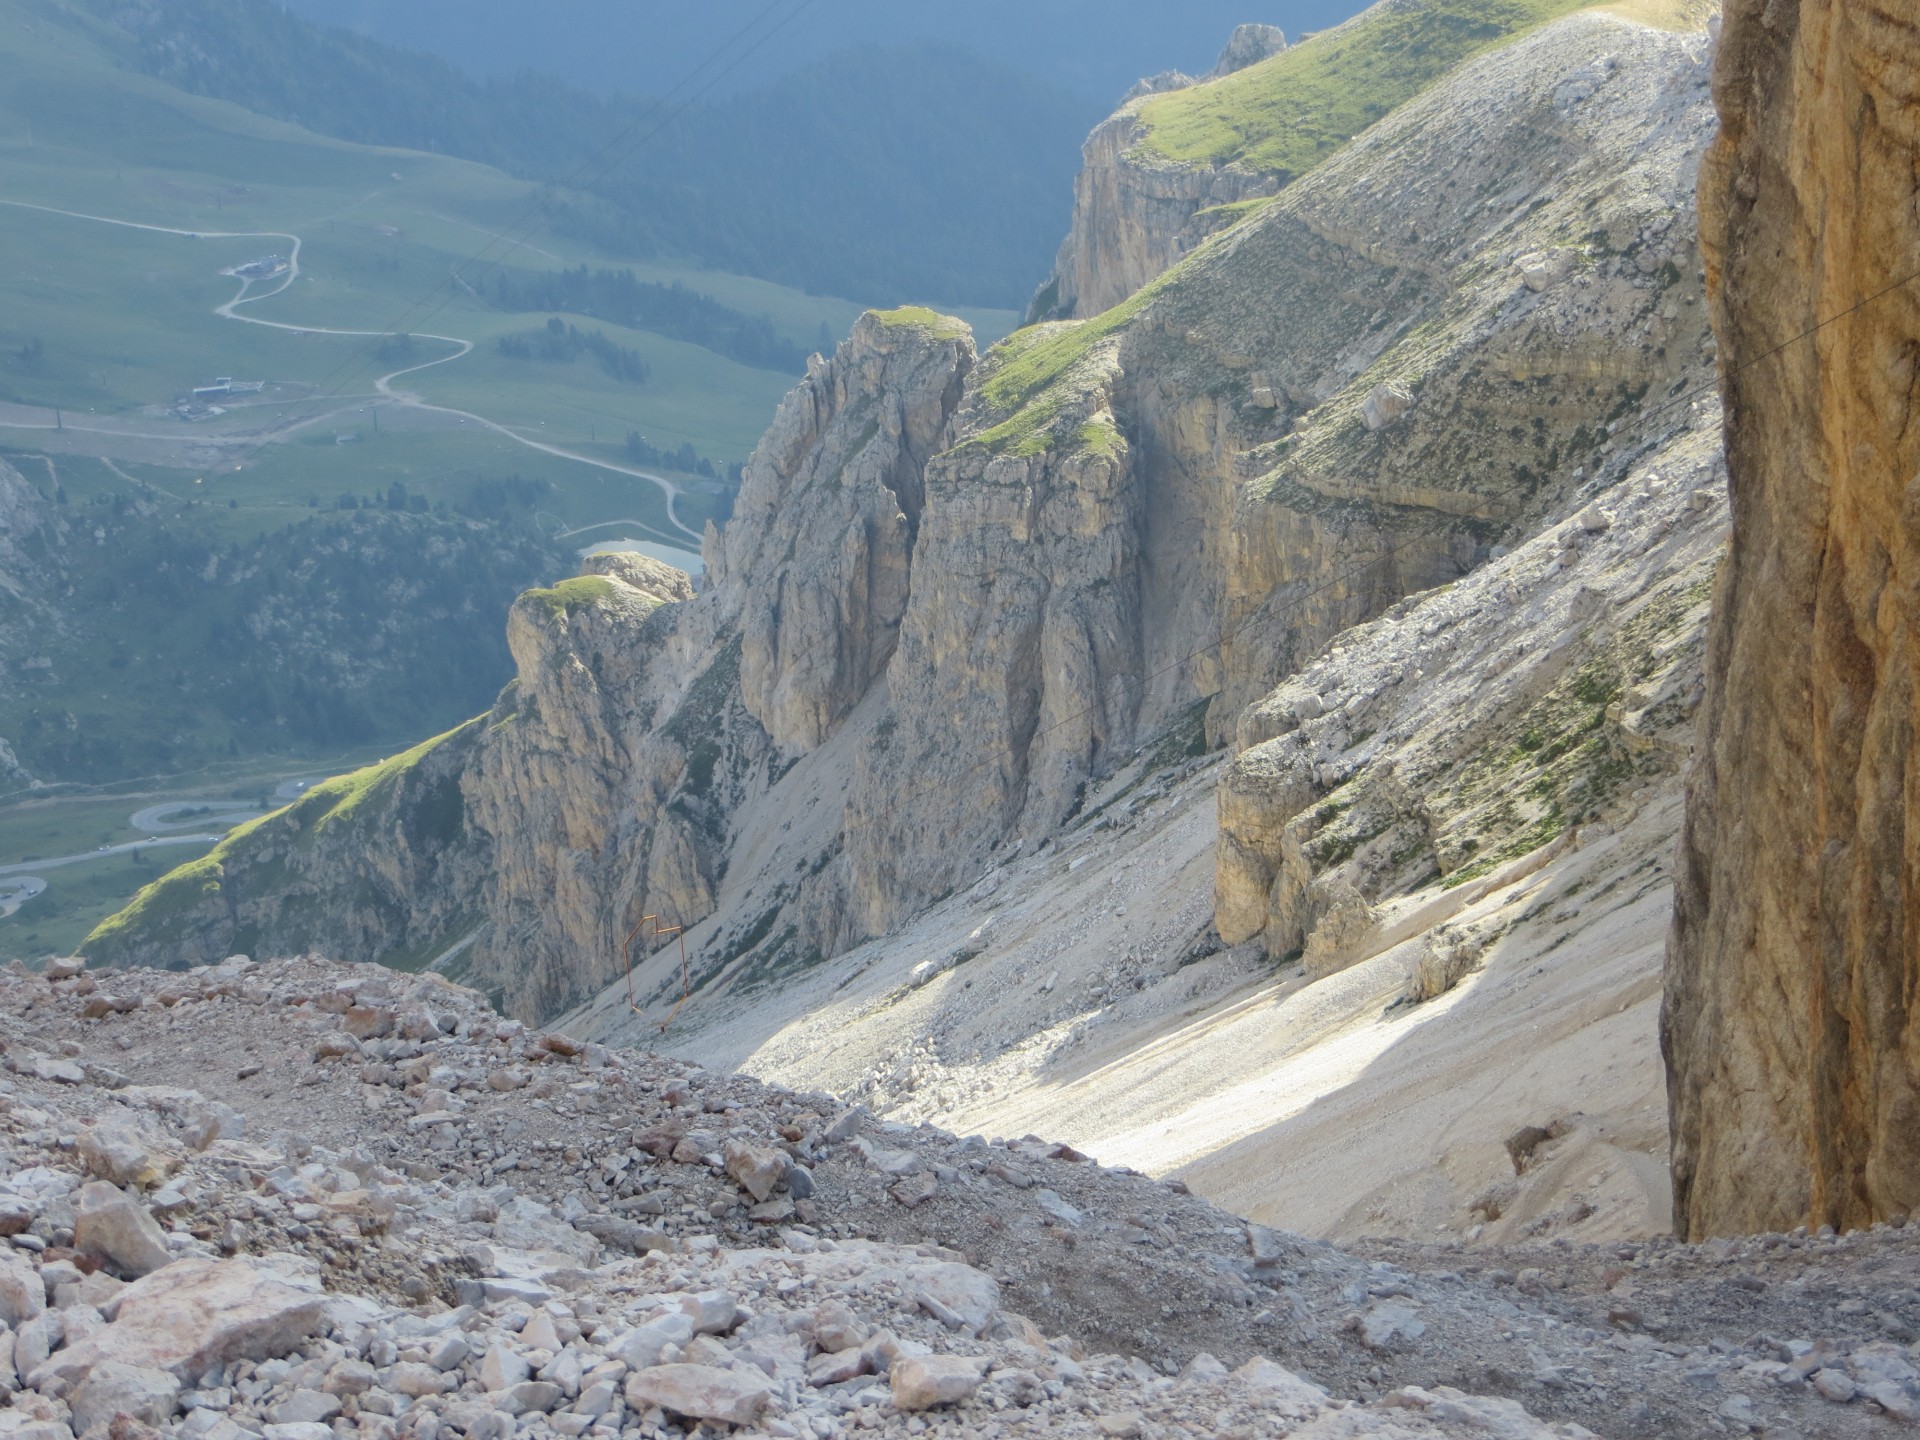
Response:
column 22, row 1295
column 1134, row 216
column 119, row 1149
column 1385, row 404
column 821, row 545
column 112, row 1388
column 1249, row 45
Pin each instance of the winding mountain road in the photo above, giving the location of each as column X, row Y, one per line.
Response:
column 384, row 385
column 34, row 867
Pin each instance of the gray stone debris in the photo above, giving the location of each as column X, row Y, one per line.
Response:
column 559, row 1272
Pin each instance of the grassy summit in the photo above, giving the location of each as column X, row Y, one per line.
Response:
column 1289, row 113
column 919, row 317
column 571, row 596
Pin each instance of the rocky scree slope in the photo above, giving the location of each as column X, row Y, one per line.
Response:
column 1788, row 1025
column 1426, row 348
column 309, row 1200
column 1524, row 727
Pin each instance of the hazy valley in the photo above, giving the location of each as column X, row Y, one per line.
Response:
column 1376, row 717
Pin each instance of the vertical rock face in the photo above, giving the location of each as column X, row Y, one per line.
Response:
column 1792, row 1041
column 576, row 789
column 1249, row 45
column 1019, row 662
column 1183, row 508
column 1356, row 514
column 822, row 540
column 1134, row 214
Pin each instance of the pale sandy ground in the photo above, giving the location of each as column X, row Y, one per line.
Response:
column 1318, row 1106
column 1318, row 1109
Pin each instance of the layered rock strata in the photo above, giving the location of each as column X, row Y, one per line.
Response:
column 1181, row 508
column 1133, row 215
column 1789, row 1026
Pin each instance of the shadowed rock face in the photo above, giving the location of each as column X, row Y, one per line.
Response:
column 1792, row 1045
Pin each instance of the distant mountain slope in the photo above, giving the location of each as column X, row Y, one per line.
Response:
column 162, row 645
column 913, row 172
column 1096, row 48
column 947, row 573
column 1169, row 169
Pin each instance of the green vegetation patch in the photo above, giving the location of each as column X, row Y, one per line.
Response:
column 1100, row 436
column 1287, row 114
column 161, row 912
column 342, row 797
column 1222, row 216
column 919, row 317
column 569, row 597
column 1029, row 367
column 77, row 899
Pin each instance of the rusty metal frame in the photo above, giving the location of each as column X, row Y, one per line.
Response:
column 660, row 932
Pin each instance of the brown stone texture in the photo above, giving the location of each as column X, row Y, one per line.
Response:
column 1792, row 1042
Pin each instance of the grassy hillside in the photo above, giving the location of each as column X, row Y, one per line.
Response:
column 112, row 323
column 1292, row 111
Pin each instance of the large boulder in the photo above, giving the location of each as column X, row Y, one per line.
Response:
column 116, row 1389
column 22, row 1295
column 956, row 1295
column 191, row 1316
column 922, row 1382
column 125, row 1151
column 107, row 1221
column 699, row 1392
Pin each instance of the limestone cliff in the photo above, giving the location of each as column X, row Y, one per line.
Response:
column 1134, row 215
column 1421, row 350
column 604, row 785
column 958, row 599
column 1135, row 212
column 1789, row 1027
column 820, row 548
